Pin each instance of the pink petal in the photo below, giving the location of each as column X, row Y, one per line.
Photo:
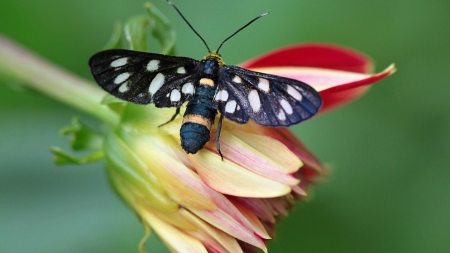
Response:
column 255, row 153
column 258, row 206
column 313, row 55
column 335, row 87
column 230, row 220
column 251, row 217
column 299, row 191
column 282, row 204
column 214, row 239
column 293, row 143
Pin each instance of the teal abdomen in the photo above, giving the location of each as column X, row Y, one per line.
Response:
column 198, row 120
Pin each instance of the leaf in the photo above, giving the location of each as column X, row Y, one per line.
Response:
column 82, row 137
column 63, row 158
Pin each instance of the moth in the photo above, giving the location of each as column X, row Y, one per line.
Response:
column 208, row 86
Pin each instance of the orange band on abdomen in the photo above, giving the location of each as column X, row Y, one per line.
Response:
column 207, row 82
column 197, row 119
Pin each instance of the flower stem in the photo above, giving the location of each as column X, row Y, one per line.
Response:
column 41, row 75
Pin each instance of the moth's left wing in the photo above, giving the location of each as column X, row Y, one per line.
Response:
column 143, row 78
column 267, row 99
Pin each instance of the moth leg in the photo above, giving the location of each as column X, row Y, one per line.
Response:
column 219, row 128
column 173, row 117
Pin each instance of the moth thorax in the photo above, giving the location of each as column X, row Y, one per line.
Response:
column 211, row 67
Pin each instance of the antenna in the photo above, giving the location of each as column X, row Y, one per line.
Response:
column 204, row 42
column 251, row 21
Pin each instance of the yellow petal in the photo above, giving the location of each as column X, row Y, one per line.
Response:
column 181, row 183
column 230, row 178
column 178, row 241
column 217, row 238
column 176, row 219
column 278, row 159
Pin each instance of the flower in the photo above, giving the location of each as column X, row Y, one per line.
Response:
column 199, row 203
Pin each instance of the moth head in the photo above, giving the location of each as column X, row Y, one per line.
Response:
column 214, row 56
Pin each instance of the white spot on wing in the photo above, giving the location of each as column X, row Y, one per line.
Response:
column 253, row 98
column 188, row 88
column 264, row 85
column 222, row 95
column 230, row 106
column 175, row 95
column 286, row 106
column 122, row 77
column 281, row 115
column 181, row 70
column 156, row 83
column 119, row 62
column 294, row 93
column 124, row 87
column 237, row 79
column 153, row 65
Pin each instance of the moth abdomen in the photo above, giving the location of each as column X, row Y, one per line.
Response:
column 198, row 119
column 196, row 128
column 193, row 137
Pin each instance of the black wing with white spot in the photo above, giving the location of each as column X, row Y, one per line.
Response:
column 143, row 78
column 267, row 99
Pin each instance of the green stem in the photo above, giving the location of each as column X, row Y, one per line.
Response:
column 41, row 75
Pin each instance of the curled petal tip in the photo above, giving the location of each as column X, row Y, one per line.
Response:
column 391, row 69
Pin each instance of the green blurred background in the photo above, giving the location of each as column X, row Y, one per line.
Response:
column 389, row 190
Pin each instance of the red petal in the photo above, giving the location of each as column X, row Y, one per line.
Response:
column 340, row 94
column 314, row 55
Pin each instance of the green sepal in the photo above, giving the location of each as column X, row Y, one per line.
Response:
column 126, row 171
column 82, row 137
column 115, row 42
column 135, row 31
column 162, row 30
column 61, row 157
column 115, row 104
column 110, row 99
